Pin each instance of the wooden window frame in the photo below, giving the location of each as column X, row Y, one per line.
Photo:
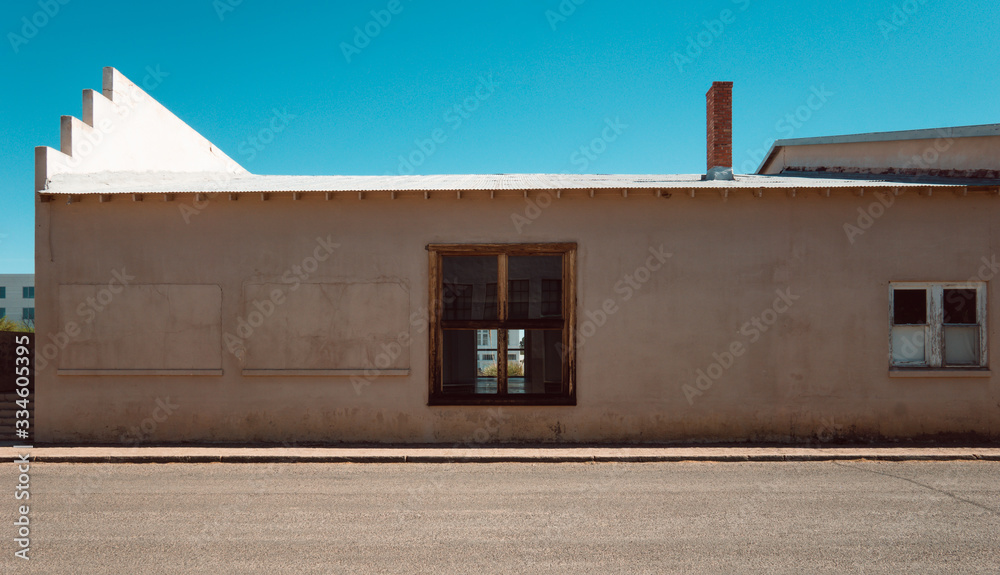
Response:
column 934, row 354
column 567, row 396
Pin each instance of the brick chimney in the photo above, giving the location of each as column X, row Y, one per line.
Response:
column 720, row 131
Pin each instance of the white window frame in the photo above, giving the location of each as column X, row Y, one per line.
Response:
column 934, row 353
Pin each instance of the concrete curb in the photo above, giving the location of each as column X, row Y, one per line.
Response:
column 487, row 455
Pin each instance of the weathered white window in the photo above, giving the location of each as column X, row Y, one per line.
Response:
column 938, row 325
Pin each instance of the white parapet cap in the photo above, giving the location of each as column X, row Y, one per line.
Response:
column 160, row 183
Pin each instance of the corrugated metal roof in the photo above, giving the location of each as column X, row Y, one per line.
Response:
column 144, row 183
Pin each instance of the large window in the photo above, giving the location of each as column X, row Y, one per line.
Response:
column 938, row 325
column 28, row 314
column 28, row 292
column 502, row 324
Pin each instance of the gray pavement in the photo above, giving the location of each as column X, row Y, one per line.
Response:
column 861, row 517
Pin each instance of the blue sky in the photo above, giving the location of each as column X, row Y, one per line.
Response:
column 512, row 87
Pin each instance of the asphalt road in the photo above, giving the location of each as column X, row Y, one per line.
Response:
column 835, row 517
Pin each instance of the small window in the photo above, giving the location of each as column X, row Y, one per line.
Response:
column 3, row 292
column 3, row 312
column 502, row 302
column 938, row 325
column 486, row 338
column 29, row 292
column 28, row 314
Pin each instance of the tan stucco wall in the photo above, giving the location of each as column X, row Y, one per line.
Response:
column 820, row 371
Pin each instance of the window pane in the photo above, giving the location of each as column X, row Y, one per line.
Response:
column 961, row 345
column 908, row 345
column 490, row 306
column 535, row 287
column 466, row 284
column 960, row 306
column 466, row 368
column 517, row 298
column 909, row 306
column 534, row 364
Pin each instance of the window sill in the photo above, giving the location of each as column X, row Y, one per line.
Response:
column 940, row 373
column 133, row 372
column 326, row 372
column 450, row 400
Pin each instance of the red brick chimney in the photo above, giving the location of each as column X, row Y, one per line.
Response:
column 720, row 131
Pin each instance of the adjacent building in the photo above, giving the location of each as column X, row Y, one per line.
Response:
column 17, row 297
column 845, row 291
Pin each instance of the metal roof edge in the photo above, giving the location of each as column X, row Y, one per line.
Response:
column 767, row 158
column 979, row 131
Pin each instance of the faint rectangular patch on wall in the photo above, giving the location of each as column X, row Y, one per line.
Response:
column 161, row 328
column 328, row 327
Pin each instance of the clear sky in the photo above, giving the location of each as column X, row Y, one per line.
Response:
column 508, row 87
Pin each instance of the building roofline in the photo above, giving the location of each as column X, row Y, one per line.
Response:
column 117, row 184
column 978, row 131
